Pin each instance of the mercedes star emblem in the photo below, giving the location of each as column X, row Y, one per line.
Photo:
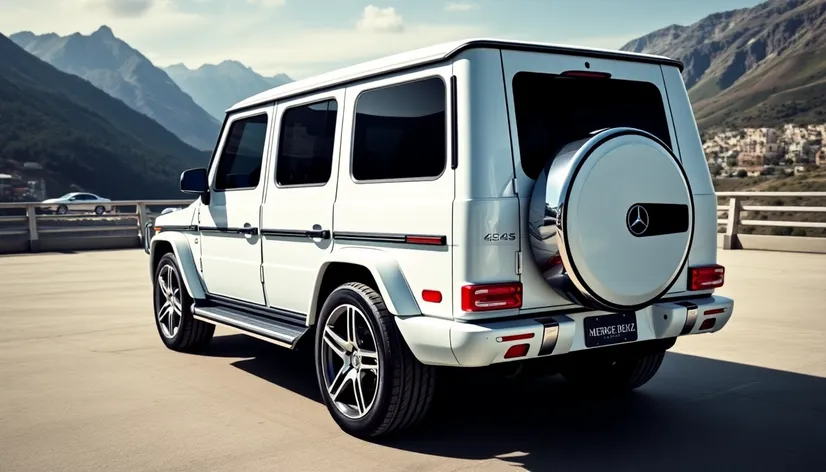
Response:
column 637, row 220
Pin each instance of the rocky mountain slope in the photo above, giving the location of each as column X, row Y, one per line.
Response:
column 124, row 73
column 218, row 87
column 82, row 137
column 760, row 66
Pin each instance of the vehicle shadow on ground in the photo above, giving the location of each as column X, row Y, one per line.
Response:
column 698, row 413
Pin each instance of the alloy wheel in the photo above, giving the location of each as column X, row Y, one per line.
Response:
column 350, row 361
column 170, row 313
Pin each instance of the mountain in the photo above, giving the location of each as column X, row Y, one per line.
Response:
column 753, row 67
column 218, row 87
column 124, row 73
column 82, row 137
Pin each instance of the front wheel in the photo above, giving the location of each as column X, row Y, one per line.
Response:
column 178, row 329
column 370, row 381
column 62, row 210
column 613, row 375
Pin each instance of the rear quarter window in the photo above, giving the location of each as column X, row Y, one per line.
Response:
column 401, row 132
column 553, row 110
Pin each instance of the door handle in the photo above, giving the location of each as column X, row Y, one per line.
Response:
column 248, row 229
column 320, row 233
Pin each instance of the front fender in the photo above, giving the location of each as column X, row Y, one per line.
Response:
column 389, row 278
column 179, row 244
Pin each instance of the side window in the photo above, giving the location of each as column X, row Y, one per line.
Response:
column 305, row 149
column 240, row 163
column 401, row 131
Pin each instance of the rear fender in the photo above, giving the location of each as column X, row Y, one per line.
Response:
column 179, row 244
column 389, row 278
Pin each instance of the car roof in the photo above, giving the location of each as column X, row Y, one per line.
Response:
column 429, row 55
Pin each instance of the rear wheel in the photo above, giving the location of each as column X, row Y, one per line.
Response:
column 370, row 381
column 600, row 375
column 99, row 210
column 178, row 329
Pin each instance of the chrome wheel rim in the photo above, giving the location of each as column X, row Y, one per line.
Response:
column 350, row 361
column 169, row 291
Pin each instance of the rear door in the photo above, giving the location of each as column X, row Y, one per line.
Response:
column 549, row 106
column 297, row 214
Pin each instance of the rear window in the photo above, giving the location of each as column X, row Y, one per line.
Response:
column 552, row 110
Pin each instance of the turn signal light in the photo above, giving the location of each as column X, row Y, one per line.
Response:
column 491, row 297
column 706, row 277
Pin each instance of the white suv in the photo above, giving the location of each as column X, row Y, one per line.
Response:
column 468, row 204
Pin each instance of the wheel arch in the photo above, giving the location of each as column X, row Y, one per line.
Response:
column 373, row 267
column 178, row 244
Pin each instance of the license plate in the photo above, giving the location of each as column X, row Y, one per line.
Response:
column 615, row 328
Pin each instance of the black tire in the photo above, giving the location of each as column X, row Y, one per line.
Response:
column 100, row 210
column 406, row 387
column 62, row 210
column 613, row 376
column 192, row 335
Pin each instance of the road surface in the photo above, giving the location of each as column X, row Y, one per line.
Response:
column 86, row 385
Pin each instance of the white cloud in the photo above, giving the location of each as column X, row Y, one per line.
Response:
column 375, row 19
column 122, row 8
column 132, row 23
column 461, row 6
column 268, row 3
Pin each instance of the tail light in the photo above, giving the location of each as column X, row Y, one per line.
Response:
column 491, row 297
column 706, row 277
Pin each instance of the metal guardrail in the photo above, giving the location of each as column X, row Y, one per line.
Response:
column 31, row 223
column 733, row 238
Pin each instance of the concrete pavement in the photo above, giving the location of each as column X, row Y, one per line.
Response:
column 86, row 385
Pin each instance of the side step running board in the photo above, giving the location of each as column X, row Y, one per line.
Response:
column 280, row 332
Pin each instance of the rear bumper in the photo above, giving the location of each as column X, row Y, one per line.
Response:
column 437, row 341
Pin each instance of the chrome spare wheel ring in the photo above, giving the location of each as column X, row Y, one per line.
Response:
column 350, row 361
column 169, row 291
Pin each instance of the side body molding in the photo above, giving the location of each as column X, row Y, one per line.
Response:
column 391, row 283
column 186, row 261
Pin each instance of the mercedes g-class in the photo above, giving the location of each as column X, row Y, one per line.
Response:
column 469, row 204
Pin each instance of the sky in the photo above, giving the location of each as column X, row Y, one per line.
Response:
column 304, row 37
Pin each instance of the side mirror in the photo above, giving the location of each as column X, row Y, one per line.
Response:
column 194, row 181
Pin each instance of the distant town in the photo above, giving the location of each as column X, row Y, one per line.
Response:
column 790, row 149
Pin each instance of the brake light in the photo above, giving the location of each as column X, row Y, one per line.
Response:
column 586, row 74
column 491, row 297
column 706, row 277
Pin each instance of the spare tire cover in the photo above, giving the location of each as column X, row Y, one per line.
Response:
column 618, row 211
